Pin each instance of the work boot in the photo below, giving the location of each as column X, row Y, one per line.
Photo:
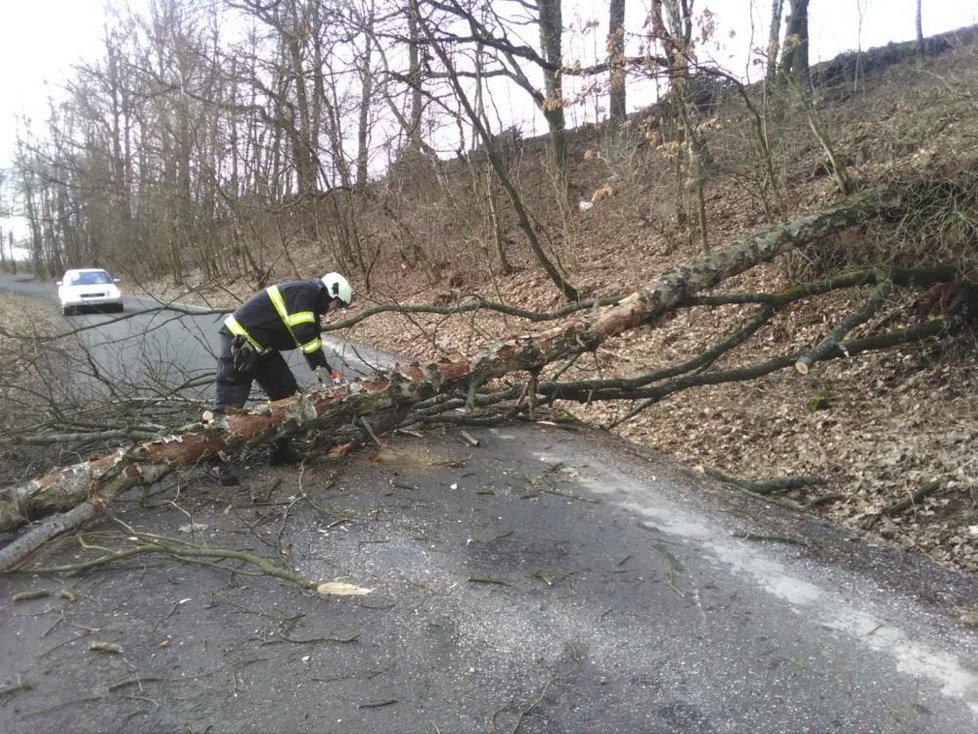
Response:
column 283, row 453
column 220, row 472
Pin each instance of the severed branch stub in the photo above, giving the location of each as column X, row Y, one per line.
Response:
column 834, row 339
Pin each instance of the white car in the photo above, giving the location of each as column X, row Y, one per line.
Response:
column 89, row 288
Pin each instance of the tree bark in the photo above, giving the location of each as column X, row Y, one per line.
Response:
column 551, row 35
column 616, row 61
column 414, row 77
column 795, row 59
column 919, row 22
column 774, row 35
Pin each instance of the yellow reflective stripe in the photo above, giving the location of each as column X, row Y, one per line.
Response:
column 290, row 320
column 238, row 330
column 312, row 346
column 299, row 317
column 275, row 296
column 302, row 317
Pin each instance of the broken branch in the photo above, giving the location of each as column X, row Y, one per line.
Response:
column 833, row 340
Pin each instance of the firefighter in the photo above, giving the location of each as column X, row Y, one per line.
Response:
column 279, row 318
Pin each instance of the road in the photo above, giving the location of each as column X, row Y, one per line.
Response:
column 526, row 578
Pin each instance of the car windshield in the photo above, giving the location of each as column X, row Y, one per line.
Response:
column 94, row 277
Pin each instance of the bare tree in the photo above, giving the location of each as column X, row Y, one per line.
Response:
column 675, row 32
column 489, row 143
column 488, row 176
column 794, row 58
column 414, row 76
column 919, row 23
column 616, row 59
column 484, row 25
column 551, row 36
column 367, row 81
column 774, row 38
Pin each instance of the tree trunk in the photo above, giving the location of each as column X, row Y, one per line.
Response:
column 366, row 93
column 414, row 77
column 616, row 61
column 795, row 59
column 774, row 36
column 551, row 34
column 920, row 32
column 695, row 161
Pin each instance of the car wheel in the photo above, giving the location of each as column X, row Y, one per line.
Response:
column 67, row 310
column 119, row 308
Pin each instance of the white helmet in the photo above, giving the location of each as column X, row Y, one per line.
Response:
column 338, row 287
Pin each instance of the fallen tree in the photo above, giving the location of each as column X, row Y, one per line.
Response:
column 423, row 392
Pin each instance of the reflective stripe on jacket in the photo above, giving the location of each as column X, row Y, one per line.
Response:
column 292, row 320
column 238, row 330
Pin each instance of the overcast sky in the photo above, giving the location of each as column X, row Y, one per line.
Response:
column 41, row 39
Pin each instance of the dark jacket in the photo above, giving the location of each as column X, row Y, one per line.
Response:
column 306, row 301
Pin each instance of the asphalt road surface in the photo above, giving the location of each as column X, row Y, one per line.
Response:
column 543, row 580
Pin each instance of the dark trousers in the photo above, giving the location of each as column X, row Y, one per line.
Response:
column 232, row 388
